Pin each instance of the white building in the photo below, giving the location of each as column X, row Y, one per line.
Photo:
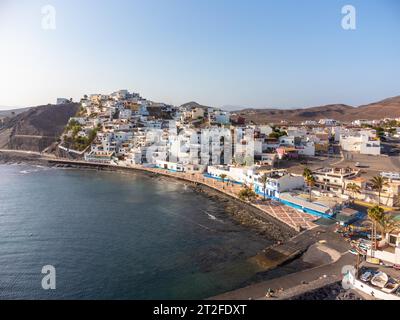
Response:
column 287, row 140
column 333, row 179
column 172, row 166
column 278, row 182
column 219, row 117
column 306, row 148
column 266, row 130
column 361, row 122
column 328, row 122
column 362, row 142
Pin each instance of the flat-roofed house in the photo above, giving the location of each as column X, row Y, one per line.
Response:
column 333, row 179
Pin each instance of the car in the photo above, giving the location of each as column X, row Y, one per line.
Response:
column 367, row 276
column 378, row 237
column 358, row 165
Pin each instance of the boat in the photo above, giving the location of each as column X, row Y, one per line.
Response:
column 387, row 264
column 391, row 286
column 380, row 279
column 367, row 276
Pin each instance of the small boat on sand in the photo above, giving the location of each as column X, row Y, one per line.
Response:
column 391, row 286
column 380, row 279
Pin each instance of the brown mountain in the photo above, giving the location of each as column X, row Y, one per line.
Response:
column 192, row 105
column 378, row 110
column 36, row 128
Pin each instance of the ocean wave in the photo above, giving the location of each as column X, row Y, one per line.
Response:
column 212, row 217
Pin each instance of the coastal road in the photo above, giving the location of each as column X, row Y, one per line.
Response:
column 28, row 153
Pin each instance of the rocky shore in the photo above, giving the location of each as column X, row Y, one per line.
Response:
column 334, row 291
column 249, row 216
column 21, row 158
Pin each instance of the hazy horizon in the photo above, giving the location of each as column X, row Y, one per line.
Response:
column 257, row 54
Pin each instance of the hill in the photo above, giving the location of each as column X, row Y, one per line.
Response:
column 192, row 105
column 378, row 110
column 11, row 112
column 36, row 128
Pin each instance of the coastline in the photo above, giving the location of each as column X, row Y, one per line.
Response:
column 289, row 244
column 245, row 213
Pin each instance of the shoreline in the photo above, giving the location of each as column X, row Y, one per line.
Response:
column 199, row 186
column 289, row 245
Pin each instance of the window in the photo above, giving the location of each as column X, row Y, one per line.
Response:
column 392, row 240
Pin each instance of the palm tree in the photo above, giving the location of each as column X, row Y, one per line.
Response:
column 377, row 184
column 388, row 224
column 246, row 193
column 222, row 176
column 354, row 189
column 307, row 172
column 376, row 215
column 264, row 180
column 310, row 181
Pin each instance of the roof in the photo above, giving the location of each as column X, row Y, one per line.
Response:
column 304, row 203
column 348, row 212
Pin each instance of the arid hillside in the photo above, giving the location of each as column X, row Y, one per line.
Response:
column 378, row 110
column 37, row 128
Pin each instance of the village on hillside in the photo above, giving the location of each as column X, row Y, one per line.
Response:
column 344, row 174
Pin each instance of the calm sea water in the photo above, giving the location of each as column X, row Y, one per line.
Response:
column 116, row 236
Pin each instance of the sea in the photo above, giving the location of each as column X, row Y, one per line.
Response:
column 110, row 235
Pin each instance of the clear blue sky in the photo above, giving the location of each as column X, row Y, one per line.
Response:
column 217, row 52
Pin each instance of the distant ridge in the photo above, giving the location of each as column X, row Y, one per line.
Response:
column 387, row 108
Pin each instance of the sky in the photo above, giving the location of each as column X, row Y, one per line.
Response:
column 253, row 53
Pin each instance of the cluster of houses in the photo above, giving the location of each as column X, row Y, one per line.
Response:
column 122, row 128
column 140, row 131
column 131, row 130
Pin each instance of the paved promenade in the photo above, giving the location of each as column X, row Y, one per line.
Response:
column 289, row 216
